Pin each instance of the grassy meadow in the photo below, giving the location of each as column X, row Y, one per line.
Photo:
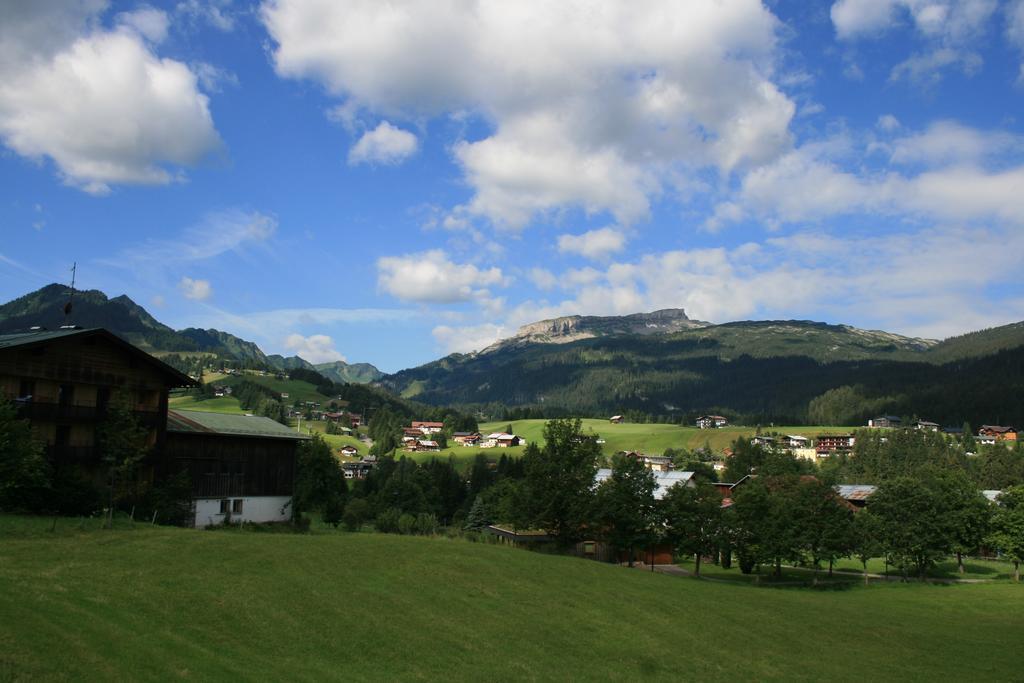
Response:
column 157, row 603
column 655, row 438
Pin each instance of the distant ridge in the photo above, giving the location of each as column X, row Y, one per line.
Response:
column 575, row 327
column 130, row 321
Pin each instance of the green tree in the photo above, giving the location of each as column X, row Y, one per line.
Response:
column 560, row 478
column 123, row 446
column 319, row 481
column 693, row 520
column 969, row 514
column 1007, row 530
column 771, row 518
column 357, row 511
column 926, row 518
column 478, row 516
column 624, row 506
column 826, row 521
column 867, row 535
column 24, row 473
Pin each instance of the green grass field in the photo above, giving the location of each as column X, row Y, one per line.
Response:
column 655, row 438
column 159, row 603
column 222, row 404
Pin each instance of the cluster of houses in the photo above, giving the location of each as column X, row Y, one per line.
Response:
column 805, row 447
column 417, row 438
column 987, row 434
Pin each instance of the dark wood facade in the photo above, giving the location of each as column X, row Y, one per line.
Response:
column 63, row 381
column 221, row 465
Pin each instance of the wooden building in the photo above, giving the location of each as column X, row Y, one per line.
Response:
column 63, row 381
column 242, row 467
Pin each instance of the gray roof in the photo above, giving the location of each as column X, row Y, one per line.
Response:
column 991, row 494
column 855, row 491
column 664, row 480
column 198, row 422
column 33, row 337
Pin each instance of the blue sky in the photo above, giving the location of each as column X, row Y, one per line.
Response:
column 390, row 182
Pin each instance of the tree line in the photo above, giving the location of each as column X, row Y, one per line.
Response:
column 782, row 515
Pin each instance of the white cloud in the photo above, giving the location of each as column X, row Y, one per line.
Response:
column 100, row 103
column 430, row 277
column 211, row 12
column 950, row 20
column 596, row 106
column 150, row 23
column 888, row 123
column 946, row 142
column 217, row 233
column 926, row 68
column 924, row 283
column 950, row 30
column 593, row 244
column 543, row 278
column 956, row 179
column 213, row 78
column 316, row 348
column 467, row 338
column 199, row 290
column 385, row 144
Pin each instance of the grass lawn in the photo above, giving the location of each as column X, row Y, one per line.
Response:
column 157, row 603
column 335, row 440
column 297, row 390
column 221, row 404
column 973, row 568
column 655, row 438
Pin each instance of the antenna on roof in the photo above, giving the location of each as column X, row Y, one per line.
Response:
column 71, row 295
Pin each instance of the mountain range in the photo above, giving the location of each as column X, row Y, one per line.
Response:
column 122, row 316
column 660, row 365
column 666, row 366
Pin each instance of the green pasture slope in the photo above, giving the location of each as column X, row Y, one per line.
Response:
column 655, row 438
column 159, row 603
column 220, row 404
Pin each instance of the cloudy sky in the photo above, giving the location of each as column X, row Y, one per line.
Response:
column 389, row 182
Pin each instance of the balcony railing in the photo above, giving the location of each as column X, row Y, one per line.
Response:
column 50, row 412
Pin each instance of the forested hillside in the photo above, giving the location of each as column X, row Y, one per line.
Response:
column 789, row 372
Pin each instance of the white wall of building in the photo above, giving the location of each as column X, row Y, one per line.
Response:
column 254, row 509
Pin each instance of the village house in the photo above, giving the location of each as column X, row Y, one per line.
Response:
column 615, row 419
column 885, row 422
column 349, row 451
column 926, row 426
column 796, row 441
column 828, row 444
column 500, row 440
column 655, row 463
column 806, row 453
column 711, row 422
column 242, row 467
column 357, row 470
column 763, row 441
column 427, row 427
column 998, row 433
column 466, row 438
